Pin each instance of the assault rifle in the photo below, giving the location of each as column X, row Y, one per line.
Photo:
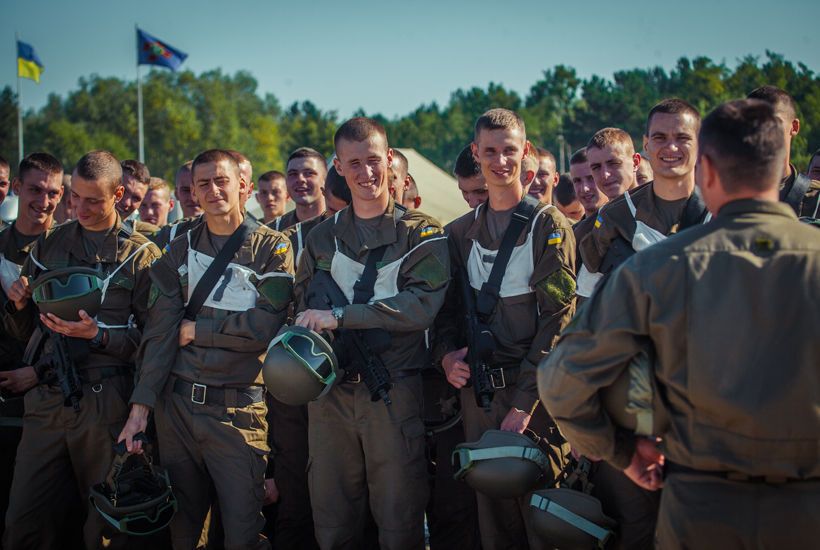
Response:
column 60, row 365
column 480, row 346
column 359, row 350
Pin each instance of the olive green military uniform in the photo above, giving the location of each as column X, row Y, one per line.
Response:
column 288, row 219
column 143, row 228
column 740, row 386
column 14, row 248
column 61, row 446
column 292, row 525
column 362, row 451
column 581, row 230
column 208, row 396
column 806, row 204
column 536, row 304
column 167, row 233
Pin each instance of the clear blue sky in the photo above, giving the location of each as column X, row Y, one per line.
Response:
column 390, row 57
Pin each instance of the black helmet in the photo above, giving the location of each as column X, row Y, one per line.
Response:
column 570, row 520
column 300, row 366
column 633, row 402
column 64, row 292
column 501, row 464
column 136, row 497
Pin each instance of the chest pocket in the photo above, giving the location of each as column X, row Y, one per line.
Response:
column 519, row 270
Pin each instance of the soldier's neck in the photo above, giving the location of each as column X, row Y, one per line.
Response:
column 307, row 211
column 367, row 209
column 505, row 197
column 224, row 224
column 30, row 228
column 671, row 189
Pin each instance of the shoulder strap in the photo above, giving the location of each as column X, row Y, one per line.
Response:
column 694, row 212
column 217, row 268
column 126, row 228
column 794, row 197
column 365, row 287
column 490, row 291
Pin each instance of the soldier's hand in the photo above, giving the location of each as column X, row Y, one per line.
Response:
column 646, row 468
column 20, row 293
column 455, row 369
column 137, row 422
column 187, row 332
column 18, row 380
column 85, row 328
column 516, row 421
column 271, row 492
column 317, row 320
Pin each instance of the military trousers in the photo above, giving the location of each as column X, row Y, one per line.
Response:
column 365, row 452
column 634, row 508
column 293, row 526
column 60, row 446
column 701, row 511
column 214, row 449
column 507, row 523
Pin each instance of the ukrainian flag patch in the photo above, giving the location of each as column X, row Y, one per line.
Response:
column 598, row 221
column 554, row 238
column 281, row 248
column 429, row 231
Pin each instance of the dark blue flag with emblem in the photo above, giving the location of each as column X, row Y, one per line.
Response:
column 152, row 51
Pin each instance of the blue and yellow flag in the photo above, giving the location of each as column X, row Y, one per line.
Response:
column 28, row 64
column 153, row 51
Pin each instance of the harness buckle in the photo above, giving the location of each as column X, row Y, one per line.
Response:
column 198, row 393
column 497, row 379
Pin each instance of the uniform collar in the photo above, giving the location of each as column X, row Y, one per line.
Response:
column 787, row 182
column 106, row 253
column 478, row 230
column 345, row 229
column 746, row 206
column 243, row 256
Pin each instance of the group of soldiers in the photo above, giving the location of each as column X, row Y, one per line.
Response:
column 718, row 305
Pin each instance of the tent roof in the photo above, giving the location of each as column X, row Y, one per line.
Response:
column 438, row 190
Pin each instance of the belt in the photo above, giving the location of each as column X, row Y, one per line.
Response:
column 357, row 378
column 201, row 394
column 672, row 468
column 102, row 373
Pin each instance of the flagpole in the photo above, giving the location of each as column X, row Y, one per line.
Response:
column 19, row 106
column 139, row 109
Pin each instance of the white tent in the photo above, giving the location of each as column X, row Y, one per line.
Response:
column 438, row 190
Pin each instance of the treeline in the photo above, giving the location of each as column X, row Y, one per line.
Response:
column 186, row 113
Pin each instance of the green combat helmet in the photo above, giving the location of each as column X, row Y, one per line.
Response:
column 633, row 402
column 64, row 292
column 501, row 464
column 300, row 366
column 136, row 497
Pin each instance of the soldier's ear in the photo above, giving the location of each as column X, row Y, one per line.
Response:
column 16, row 184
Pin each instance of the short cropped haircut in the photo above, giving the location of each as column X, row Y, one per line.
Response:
column 672, row 106
column 499, row 119
column 544, row 154
column 336, row 185
column 530, row 161
column 466, row 166
column 158, row 184
column 400, row 164
column 744, row 141
column 578, row 157
column 43, row 162
column 608, row 137
column 215, row 155
column 136, row 170
column 307, row 153
column 186, row 167
column 271, row 175
column 564, row 191
column 100, row 166
column 358, row 129
column 776, row 97
column 4, row 163
column 412, row 189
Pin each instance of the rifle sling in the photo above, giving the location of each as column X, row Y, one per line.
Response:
column 490, row 291
column 217, row 268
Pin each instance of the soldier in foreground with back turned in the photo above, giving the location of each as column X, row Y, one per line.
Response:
column 739, row 390
column 527, row 309
column 83, row 367
column 200, row 360
column 376, row 275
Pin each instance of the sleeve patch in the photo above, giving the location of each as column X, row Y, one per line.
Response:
column 554, row 238
column 153, row 295
column 278, row 291
column 430, row 231
column 598, row 221
column 281, row 248
column 431, row 269
column 559, row 286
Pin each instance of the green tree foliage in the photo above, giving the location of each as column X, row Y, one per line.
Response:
column 187, row 113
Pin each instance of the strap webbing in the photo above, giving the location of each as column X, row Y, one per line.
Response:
column 694, row 212
column 532, row 454
column 217, row 268
column 365, row 287
column 794, row 196
column 490, row 291
column 552, row 507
